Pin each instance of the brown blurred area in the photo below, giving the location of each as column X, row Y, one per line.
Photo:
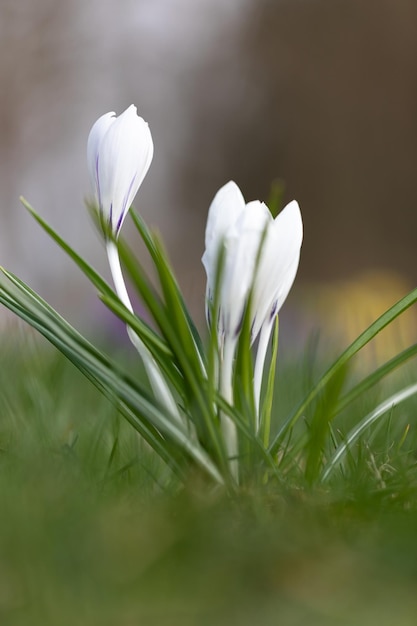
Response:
column 324, row 96
column 319, row 93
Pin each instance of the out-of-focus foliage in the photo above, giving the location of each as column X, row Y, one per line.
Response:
column 92, row 531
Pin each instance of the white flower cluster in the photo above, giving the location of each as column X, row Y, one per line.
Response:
column 260, row 254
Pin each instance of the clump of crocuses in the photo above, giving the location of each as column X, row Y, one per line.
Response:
column 260, row 258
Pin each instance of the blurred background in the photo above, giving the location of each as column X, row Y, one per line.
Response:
column 320, row 94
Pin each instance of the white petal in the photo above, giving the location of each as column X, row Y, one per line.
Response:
column 249, row 231
column 95, row 137
column 278, row 264
column 227, row 205
column 242, row 248
column 255, row 218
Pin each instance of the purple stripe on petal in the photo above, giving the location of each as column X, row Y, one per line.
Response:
column 273, row 310
column 111, row 216
column 240, row 324
column 221, row 322
column 251, row 329
column 129, row 190
column 125, row 208
column 119, row 222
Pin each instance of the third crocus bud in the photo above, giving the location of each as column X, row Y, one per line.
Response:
column 119, row 153
column 260, row 259
column 260, row 254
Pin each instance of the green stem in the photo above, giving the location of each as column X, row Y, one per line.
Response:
column 265, row 417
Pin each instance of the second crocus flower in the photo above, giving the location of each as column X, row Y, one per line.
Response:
column 260, row 257
column 260, row 254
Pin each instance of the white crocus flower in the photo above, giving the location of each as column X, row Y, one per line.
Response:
column 261, row 255
column 119, row 153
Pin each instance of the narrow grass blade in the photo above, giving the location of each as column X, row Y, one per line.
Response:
column 258, row 451
column 107, row 294
column 376, row 377
column 265, row 421
column 159, row 349
column 244, row 398
column 186, row 357
column 162, row 264
column 364, row 338
column 91, row 274
column 99, row 369
column 365, row 423
column 319, row 430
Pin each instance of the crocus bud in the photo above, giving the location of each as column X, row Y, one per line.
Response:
column 119, row 153
column 261, row 254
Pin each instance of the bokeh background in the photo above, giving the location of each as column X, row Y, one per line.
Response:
column 321, row 94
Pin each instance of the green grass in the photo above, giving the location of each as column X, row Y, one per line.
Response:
column 95, row 530
column 320, row 440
